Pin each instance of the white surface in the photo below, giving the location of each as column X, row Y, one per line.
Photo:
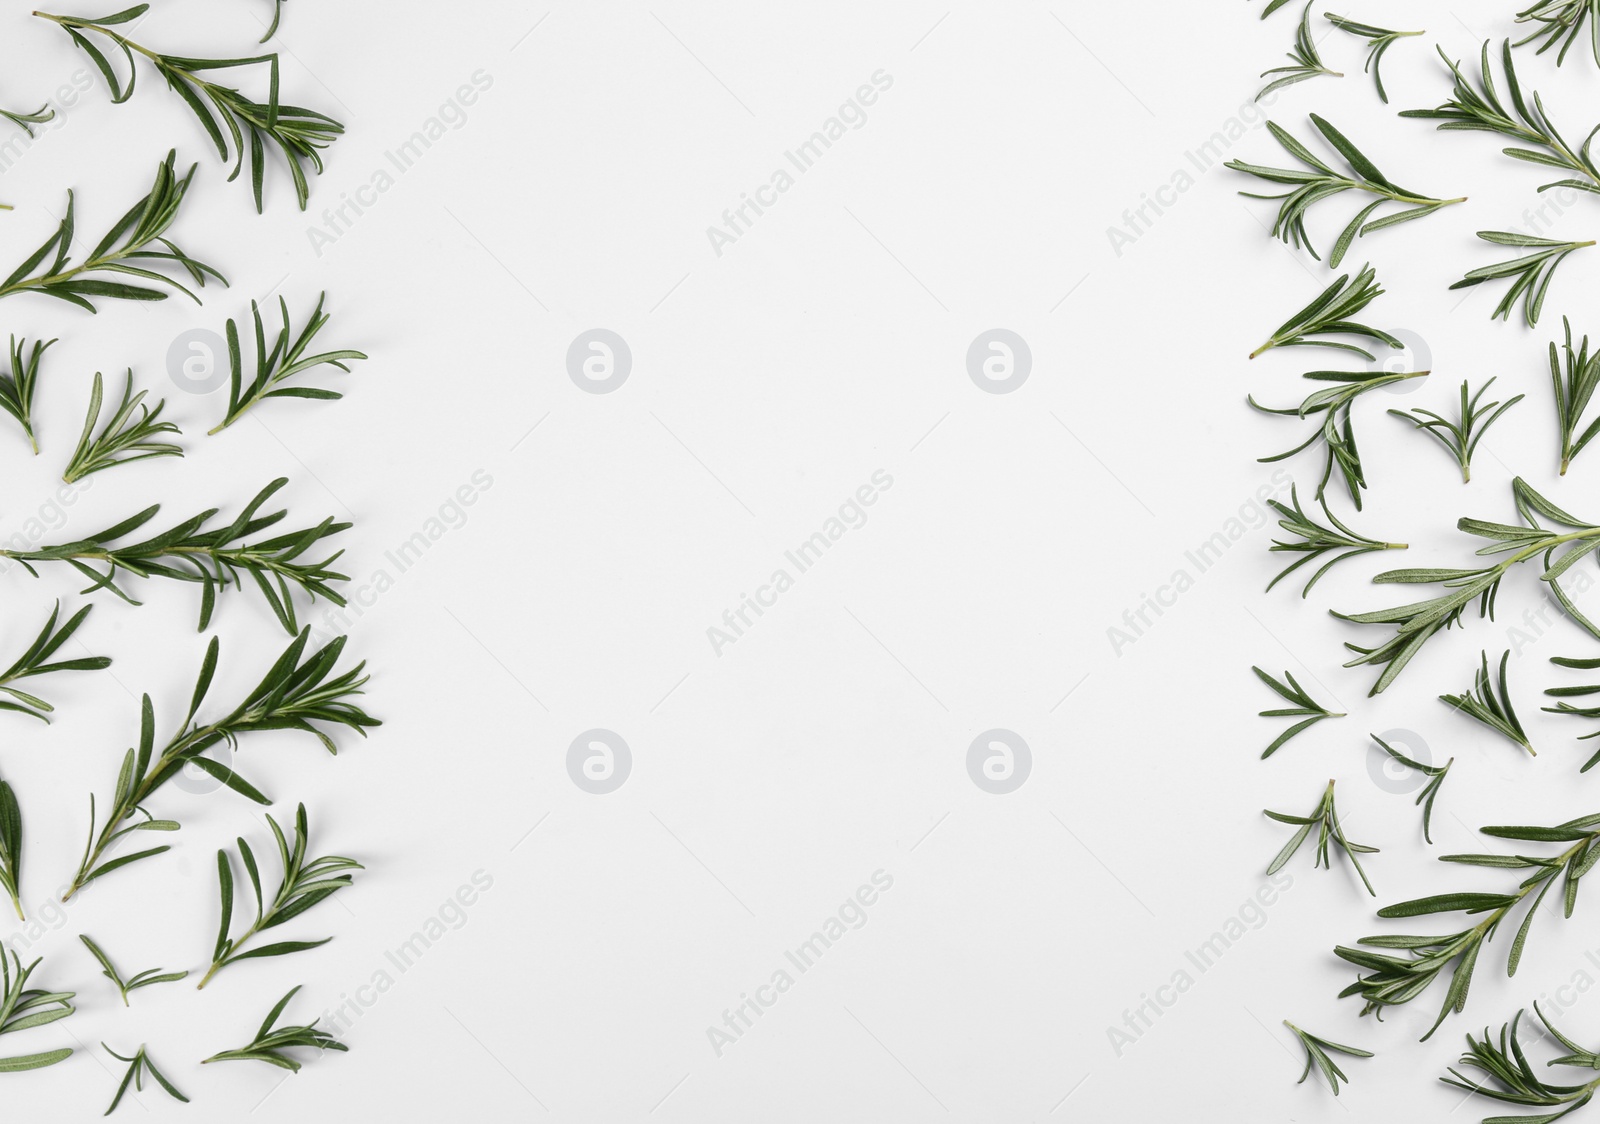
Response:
column 821, row 352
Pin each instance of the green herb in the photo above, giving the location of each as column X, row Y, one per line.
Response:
column 11, row 847
column 1335, row 430
column 1394, row 980
column 123, row 252
column 1313, row 540
column 26, row 121
column 1457, row 436
column 1480, row 702
column 303, row 885
column 16, row 389
column 1317, row 1055
column 1307, row 63
column 277, row 17
column 269, row 1044
column 1326, row 819
column 1272, row 6
column 1330, row 315
column 138, row 1066
column 1533, row 271
column 285, row 360
column 1307, row 188
column 1573, row 393
column 299, row 134
column 1435, row 774
column 23, row 1008
column 1417, row 621
column 133, row 983
column 214, row 559
column 1563, row 20
column 1586, row 664
column 293, row 695
column 1305, row 707
column 124, row 438
column 1512, row 1080
column 1382, row 39
column 34, row 662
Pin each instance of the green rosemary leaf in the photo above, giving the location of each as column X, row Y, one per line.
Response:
column 1530, row 274
column 270, row 1042
column 26, row 121
column 17, row 387
column 1495, row 711
column 143, row 979
column 1317, row 1054
column 129, row 435
column 23, row 1008
column 1382, row 39
column 1460, row 437
column 1311, row 540
column 138, row 1065
column 1272, row 6
column 1306, row 62
column 277, row 18
column 1304, row 707
column 1326, row 819
column 1562, row 21
column 1567, row 708
column 1574, row 381
column 1329, row 314
column 283, row 361
column 1511, row 1080
column 36, row 661
column 11, row 847
column 1435, row 774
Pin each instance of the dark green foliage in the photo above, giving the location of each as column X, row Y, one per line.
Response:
column 1435, row 774
column 1311, row 539
column 1510, row 1079
column 130, row 434
column 1530, row 274
column 1562, row 21
column 1564, row 693
column 269, row 1043
column 1329, row 315
column 138, row 1065
column 24, row 1008
column 1306, row 62
column 1493, row 709
column 36, row 661
column 1305, row 708
column 286, row 359
column 26, row 121
column 1574, row 384
column 1460, row 437
column 1325, row 818
column 16, row 388
column 1381, row 40
column 1317, row 1055
column 132, row 983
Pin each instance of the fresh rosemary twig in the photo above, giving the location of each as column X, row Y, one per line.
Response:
column 1416, row 622
column 1435, row 774
column 1317, row 1054
column 1393, row 980
column 269, row 1044
column 1562, row 21
column 11, row 847
column 215, row 559
column 16, row 388
column 1313, row 540
column 303, row 885
column 1325, row 818
column 1382, row 39
column 1307, row 63
column 23, row 1008
column 299, row 134
column 1481, row 703
column 132, row 983
column 1512, row 1080
column 1573, row 392
column 26, row 121
column 274, row 367
column 293, row 695
column 1329, row 315
column 1307, row 188
column 122, row 252
column 1305, row 708
column 1335, row 430
column 33, row 663
column 1532, row 271
column 1583, row 664
column 1457, row 436
column 124, row 438
column 138, row 1065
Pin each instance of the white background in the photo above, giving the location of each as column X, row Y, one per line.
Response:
column 772, row 777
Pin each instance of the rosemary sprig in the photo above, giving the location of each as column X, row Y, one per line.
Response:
column 1417, row 621
column 1481, row 703
column 138, row 1065
column 124, row 251
column 1307, row 63
column 299, row 134
column 269, row 1044
column 1325, row 818
column 284, row 361
column 1573, row 390
column 1563, row 693
column 1382, row 39
column 132, row 983
column 16, row 388
column 1435, row 774
column 293, row 695
column 303, row 885
column 1307, row 188
column 1312, row 540
column 1335, row 430
column 1393, row 980
column 1329, row 315
column 34, row 662
column 26, row 121
column 1305, row 708
column 1526, row 122
column 215, row 559
column 1512, row 1080
column 11, row 847
column 23, row 1008
column 129, row 434
column 1533, row 271
column 1317, row 1054
column 1562, row 21
column 1458, row 437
